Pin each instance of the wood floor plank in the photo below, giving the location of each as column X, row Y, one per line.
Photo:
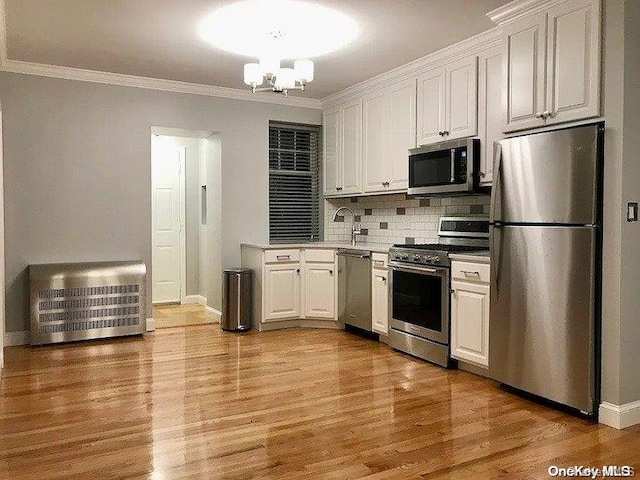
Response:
column 196, row 402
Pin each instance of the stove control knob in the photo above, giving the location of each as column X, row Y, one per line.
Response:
column 416, row 258
column 405, row 256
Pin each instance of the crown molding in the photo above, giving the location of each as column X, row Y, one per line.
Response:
column 520, row 8
column 108, row 78
column 466, row 47
column 69, row 73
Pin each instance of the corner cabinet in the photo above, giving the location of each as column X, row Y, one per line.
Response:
column 470, row 312
column 343, row 149
column 389, row 131
column 552, row 65
column 292, row 286
column 447, row 102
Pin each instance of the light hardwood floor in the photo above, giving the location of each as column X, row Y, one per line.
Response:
column 315, row 404
column 169, row 316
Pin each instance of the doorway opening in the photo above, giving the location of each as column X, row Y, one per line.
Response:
column 186, row 219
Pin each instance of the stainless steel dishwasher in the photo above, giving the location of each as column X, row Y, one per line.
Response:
column 354, row 288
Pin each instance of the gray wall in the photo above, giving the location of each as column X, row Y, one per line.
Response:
column 78, row 171
column 621, row 242
column 630, row 258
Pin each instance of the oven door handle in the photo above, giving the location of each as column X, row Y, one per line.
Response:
column 406, row 268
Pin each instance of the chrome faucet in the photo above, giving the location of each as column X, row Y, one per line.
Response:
column 354, row 230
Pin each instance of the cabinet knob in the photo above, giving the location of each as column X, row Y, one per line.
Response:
column 330, row 272
column 339, row 189
column 385, row 184
column 297, row 270
column 482, row 174
column 446, row 132
column 546, row 114
column 539, row 115
column 384, row 279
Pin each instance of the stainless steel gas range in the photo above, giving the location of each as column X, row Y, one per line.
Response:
column 420, row 288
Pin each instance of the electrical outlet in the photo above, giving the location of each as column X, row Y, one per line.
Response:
column 632, row 212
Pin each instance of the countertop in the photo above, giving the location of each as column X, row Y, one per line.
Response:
column 371, row 247
column 478, row 257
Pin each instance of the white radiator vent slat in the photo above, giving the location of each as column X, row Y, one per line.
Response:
column 84, row 301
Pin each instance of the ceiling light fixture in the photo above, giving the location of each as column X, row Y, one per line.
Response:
column 273, row 31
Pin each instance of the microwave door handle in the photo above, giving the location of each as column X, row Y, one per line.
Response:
column 453, row 165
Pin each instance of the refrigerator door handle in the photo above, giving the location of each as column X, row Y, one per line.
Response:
column 496, row 255
column 497, row 168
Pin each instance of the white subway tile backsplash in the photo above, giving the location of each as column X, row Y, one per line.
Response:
column 418, row 222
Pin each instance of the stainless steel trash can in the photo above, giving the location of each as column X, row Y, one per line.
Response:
column 237, row 299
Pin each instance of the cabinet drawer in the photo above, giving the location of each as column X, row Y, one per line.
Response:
column 379, row 260
column 471, row 272
column 281, row 256
column 323, row 256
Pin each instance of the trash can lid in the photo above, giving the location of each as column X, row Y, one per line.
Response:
column 237, row 270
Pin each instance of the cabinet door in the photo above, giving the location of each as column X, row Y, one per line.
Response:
column 375, row 145
column 461, row 99
column 351, row 141
column 573, row 61
column 379, row 301
column 431, row 100
column 320, row 291
column 331, row 121
column 525, row 72
column 401, row 133
column 490, row 114
column 470, row 322
column 281, row 292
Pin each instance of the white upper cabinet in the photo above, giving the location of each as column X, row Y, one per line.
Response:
column 447, row 102
column 375, row 122
column 331, row 121
column 401, row 132
column 490, row 113
column 389, row 131
column 351, row 141
column 431, row 100
column 524, row 41
column 461, row 105
column 343, row 149
column 573, row 61
column 552, row 68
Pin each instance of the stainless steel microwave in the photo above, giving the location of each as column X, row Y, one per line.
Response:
column 444, row 168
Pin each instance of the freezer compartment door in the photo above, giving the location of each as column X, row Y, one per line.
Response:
column 542, row 312
column 547, row 177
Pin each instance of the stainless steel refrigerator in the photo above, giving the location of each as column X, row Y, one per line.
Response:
column 545, row 262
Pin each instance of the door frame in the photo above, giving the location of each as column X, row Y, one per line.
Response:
column 182, row 250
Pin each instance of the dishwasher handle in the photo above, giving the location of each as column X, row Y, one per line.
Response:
column 354, row 255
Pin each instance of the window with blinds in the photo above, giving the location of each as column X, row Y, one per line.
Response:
column 294, row 158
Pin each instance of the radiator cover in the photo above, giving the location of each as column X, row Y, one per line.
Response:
column 82, row 301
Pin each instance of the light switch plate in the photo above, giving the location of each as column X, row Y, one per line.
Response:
column 632, row 212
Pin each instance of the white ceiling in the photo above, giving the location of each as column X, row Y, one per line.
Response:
column 159, row 38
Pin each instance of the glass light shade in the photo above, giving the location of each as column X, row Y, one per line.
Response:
column 304, row 70
column 253, row 74
column 285, row 79
column 269, row 65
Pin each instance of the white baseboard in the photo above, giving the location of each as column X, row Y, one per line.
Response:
column 151, row 324
column 619, row 416
column 14, row 339
column 216, row 314
column 195, row 299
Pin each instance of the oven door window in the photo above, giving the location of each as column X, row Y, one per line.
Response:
column 417, row 299
column 434, row 168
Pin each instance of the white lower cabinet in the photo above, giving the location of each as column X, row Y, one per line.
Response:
column 320, row 286
column 281, row 292
column 299, row 284
column 380, row 294
column 470, row 314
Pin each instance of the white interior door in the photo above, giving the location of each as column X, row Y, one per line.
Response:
column 168, row 161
